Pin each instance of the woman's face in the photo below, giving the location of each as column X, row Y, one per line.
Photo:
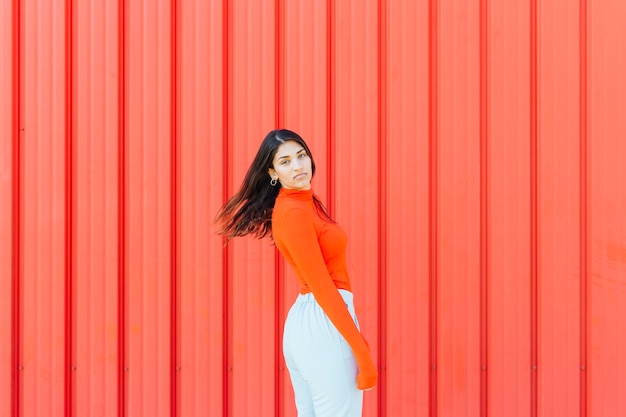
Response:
column 292, row 166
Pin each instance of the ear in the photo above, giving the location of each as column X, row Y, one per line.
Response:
column 271, row 172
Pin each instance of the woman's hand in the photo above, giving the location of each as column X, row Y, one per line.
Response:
column 368, row 375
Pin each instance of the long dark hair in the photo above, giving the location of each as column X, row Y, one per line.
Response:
column 249, row 211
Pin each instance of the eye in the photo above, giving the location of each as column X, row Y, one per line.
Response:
column 284, row 162
column 302, row 155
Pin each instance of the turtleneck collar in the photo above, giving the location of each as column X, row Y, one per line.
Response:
column 302, row 195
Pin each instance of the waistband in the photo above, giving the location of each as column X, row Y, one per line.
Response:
column 310, row 298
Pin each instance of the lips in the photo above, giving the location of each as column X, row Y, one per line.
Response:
column 299, row 176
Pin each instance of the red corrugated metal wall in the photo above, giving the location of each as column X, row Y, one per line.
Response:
column 474, row 151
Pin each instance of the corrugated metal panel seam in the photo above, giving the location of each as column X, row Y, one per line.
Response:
column 279, row 269
column 382, row 206
column 331, row 106
column 122, row 192
column 175, row 365
column 433, row 231
column 69, row 220
column 484, row 203
column 17, row 130
column 227, row 145
column 533, row 210
column 584, row 275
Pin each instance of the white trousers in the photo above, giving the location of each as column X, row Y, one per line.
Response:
column 320, row 361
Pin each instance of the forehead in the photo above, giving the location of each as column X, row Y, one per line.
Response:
column 289, row 148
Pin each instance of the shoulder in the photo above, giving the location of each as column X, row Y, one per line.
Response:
column 286, row 205
column 292, row 220
column 289, row 212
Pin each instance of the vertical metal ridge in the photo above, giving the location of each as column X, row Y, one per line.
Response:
column 279, row 386
column 484, row 207
column 278, row 265
column 226, row 149
column 121, row 208
column 70, row 366
column 330, row 79
column 174, row 365
column 382, row 206
column 584, row 219
column 16, row 221
column 533, row 212
column 279, row 56
column 433, row 101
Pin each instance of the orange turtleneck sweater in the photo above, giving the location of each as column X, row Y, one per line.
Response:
column 316, row 250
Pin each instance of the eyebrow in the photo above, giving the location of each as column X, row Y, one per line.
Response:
column 288, row 156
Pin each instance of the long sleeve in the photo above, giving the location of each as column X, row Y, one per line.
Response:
column 295, row 234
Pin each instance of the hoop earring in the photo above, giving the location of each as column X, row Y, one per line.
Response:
column 273, row 182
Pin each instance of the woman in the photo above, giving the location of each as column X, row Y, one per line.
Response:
column 328, row 360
